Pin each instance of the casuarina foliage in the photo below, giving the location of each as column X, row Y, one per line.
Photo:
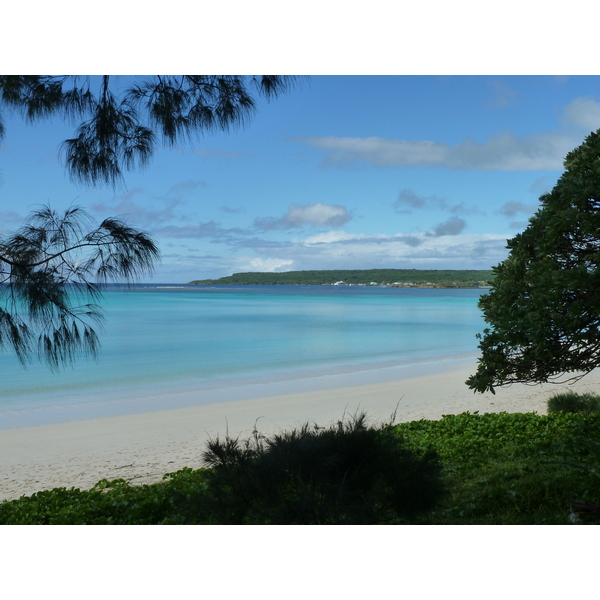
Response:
column 349, row 473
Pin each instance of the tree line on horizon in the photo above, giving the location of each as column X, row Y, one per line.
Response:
column 406, row 277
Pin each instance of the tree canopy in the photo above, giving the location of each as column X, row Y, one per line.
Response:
column 544, row 308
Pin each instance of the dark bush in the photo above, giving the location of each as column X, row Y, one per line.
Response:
column 350, row 473
column 571, row 402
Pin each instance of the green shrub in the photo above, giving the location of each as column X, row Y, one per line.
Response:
column 113, row 502
column 347, row 474
column 509, row 468
column 571, row 402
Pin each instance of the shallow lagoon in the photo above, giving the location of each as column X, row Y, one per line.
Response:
column 224, row 343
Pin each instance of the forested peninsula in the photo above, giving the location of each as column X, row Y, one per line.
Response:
column 388, row 277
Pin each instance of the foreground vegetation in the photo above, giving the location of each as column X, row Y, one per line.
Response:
column 512, row 469
column 407, row 277
column 463, row 469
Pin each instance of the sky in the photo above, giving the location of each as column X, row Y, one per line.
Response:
column 341, row 172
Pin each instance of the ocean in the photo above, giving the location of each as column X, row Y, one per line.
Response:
column 168, row 346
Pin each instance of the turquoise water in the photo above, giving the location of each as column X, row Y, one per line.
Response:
column 166, row 338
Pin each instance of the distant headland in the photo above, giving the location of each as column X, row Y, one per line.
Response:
column 408, row 278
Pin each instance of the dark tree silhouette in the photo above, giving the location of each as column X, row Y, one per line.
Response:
column 49, row 273
column 543, row 308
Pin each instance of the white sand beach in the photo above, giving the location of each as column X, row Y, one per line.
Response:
column 141, row 448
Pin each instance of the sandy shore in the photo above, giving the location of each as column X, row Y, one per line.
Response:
column 141, row 448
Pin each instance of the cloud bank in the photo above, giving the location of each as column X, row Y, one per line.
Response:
column 504, row 151
column 341, row 250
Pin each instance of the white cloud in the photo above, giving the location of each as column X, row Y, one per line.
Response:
column 505, row 152
column 465, row 251
column 313, row 215
column 330, row 237
column 584, row 112
column 270, row 265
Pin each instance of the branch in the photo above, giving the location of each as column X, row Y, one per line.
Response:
column 48, row 270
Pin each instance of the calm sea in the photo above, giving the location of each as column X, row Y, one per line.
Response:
column 226, row 342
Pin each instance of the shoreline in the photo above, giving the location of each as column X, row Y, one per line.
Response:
column 82, row 404
column 141, row 448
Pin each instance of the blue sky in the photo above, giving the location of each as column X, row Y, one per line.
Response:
column 343, row 172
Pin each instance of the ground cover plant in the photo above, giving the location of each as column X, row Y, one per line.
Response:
column 496, row 469
column 511, row 468
column 115, row 502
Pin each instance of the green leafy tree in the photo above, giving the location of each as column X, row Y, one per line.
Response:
column 51, row 268
column 543, row 308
